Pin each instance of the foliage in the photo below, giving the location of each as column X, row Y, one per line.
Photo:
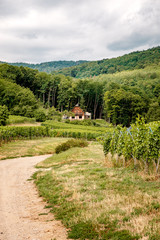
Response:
column 60, row 129
column 153, row 112
column 20, row 101
column 140, row 142
column 13, row 119
column 85, row 122
column 49, row 66
column 71, row 125
column 10, row 133
column 4, row 114
column 122, row 106
column 131, row 61
column 53, row 114
column 118, row 97
column 77, row 131
column 40, row 115
column 52, row 129
column 71, row 143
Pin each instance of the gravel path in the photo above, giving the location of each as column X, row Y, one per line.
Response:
column 22, row 212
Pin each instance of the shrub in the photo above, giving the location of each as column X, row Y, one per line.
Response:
column 4, row 115
column 53, row 114
column 25, row 110
column 71, row 143
column 40, row 115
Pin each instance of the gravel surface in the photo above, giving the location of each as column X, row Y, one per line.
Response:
column 22, row 212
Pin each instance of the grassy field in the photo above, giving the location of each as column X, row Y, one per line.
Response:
column 21, row 148
column 19, row 120
column 99, row 202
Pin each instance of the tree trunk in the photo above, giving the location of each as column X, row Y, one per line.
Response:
column 95, row 106
column 100, row 113
column 53, row 97
column 43, row 98
column 49, row 96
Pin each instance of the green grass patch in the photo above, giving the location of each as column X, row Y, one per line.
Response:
column 13, row 119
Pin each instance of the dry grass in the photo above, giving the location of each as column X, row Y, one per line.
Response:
column 107, row 193
column 35, row 147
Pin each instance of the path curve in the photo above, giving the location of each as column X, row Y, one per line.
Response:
column 22, row 212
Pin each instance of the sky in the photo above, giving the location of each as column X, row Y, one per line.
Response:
column 36, row 31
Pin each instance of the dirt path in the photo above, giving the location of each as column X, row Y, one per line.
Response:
column 22, row 212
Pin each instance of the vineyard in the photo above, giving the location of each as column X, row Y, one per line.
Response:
column 60, row 129
column 138, row 145
column 51, row 129
column 10, row 133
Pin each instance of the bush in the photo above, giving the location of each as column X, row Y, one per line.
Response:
column 40, row 115
column 27, row 111
column 69, row 144
column 53, row 114
column 4, row 115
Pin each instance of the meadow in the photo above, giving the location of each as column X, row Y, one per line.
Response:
column 95, row 201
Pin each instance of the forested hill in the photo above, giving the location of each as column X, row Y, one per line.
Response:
column 134, row 60
column 49, row 66
column 118, row 97
column 83, row 69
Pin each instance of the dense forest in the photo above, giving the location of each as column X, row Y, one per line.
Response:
column 49, row 66
column 134, row 60
column 119, row 98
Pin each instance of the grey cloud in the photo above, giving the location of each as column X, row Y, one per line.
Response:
column 143, row 30
column 29, row 35
column 6, row 8
column 43, row 30
column 133, row 41
column 11, row 8
column 52, row 3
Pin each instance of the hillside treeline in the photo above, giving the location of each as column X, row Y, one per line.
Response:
column 49, row 66
column 134, row 60
column 118, row 98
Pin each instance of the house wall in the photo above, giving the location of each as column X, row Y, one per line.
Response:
column 79, row 114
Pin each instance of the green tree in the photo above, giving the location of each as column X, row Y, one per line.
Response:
column 153, row 113
column 4, row 115
column 66, row 94
column 122, row 107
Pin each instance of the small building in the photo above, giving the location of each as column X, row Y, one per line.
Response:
column 87, row 115
column 80, row 114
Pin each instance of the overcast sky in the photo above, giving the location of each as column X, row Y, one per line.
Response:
column 37, row 31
